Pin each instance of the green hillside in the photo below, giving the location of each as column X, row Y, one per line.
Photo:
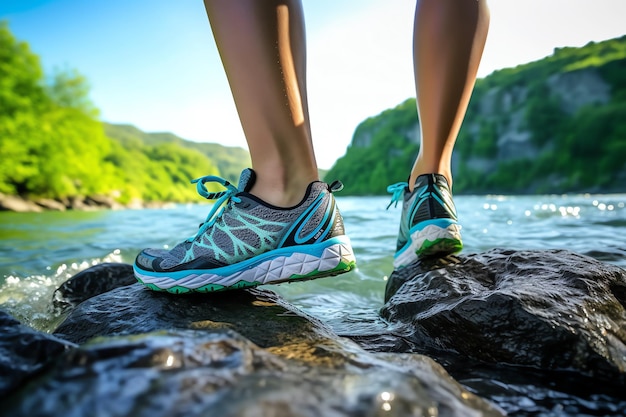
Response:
column 52, row 144
column 229, row 160
column 552, row 126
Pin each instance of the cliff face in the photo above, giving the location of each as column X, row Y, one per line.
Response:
column 554, row 125
column 506, row 108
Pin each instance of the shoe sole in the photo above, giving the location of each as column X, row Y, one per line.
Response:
column 298, row 263
column 437, row 239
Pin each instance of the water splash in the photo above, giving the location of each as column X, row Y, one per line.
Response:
column 29, row 298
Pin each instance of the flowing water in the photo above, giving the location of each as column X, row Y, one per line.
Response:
column 38, row 251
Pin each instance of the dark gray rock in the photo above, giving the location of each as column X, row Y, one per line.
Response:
column 550, row 310
column 219, row 373
column 24, row 352
column 88, row 283
column 258, row 315
column 239, row 353
column 535, row 332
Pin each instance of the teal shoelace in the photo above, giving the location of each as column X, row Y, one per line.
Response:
column 223, row 200
column 397, row 190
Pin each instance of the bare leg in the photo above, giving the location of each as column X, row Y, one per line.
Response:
column 262, row 46
column 449, row 38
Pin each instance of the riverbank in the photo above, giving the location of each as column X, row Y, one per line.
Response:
column 96, row 202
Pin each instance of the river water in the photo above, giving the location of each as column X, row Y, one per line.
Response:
column 38, row 251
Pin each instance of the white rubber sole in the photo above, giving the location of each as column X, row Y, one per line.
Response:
column 269, row 268
column 429, row 241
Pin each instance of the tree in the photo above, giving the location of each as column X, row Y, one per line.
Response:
column 22, row 100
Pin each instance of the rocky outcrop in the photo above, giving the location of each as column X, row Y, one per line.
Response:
column 551, row 310
column 50, row 204
column 24, row 353
column 218, row 372
column 537, row 332
column 21, row 204
column 532, row 129
column 14, row 203
column 89, row 203
column 523, row 332
column 241, row 353
column 577, row 89
column 91, row 282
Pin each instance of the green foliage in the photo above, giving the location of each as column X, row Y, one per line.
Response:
column 544, row 116
column 21, row 90
column 563, row 60
column 486, row 144
column 69, row 89
column 230, row 161
column 368, row 169
column 52, row 145
column 595, row 139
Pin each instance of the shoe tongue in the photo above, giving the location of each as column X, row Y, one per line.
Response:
column 246, row 179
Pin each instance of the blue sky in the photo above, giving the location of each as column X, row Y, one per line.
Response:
column 154, row 63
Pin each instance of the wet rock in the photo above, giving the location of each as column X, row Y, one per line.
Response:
column 550, row 310
column 535, row 332
column 134, row 310
column 220, row 373
column 238, row 353
column 91, row 282
column 24, row 352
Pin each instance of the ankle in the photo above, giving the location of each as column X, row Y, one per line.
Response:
column 421, row 169
column 279, row 194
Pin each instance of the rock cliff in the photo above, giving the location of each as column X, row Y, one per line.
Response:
column 535, row 128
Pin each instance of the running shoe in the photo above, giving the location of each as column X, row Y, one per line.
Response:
column 428, row 224
column 245, row 242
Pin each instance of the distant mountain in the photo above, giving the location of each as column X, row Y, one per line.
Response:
column 555, row 125
column 229, row 160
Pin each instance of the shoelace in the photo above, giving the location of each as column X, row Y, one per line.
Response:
column 223, row 199
column 397, row 190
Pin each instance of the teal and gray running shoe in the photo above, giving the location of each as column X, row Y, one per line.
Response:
column 245, row 242
column 428, row 224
